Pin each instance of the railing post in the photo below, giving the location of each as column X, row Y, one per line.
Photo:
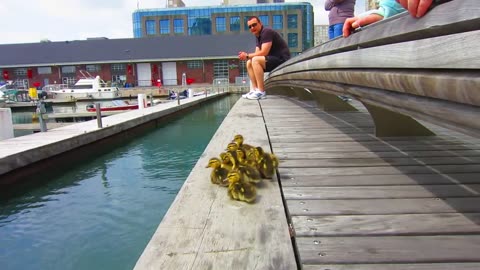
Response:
column 178, row 97
column 41, row 111
column 99, row 114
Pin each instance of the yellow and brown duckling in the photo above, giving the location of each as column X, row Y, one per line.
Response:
column 238, row 139
column 218, row 175
column 239, row 189
column 267, row 163
column 248, row 173
column 232, row 146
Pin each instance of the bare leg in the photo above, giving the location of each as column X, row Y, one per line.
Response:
column 251, row 74
column 258, row 64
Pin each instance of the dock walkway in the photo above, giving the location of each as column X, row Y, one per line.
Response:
column 355, row 201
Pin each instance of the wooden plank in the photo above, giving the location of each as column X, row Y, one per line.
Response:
column 391, row 266
column 380, row 192
column 389, row 249
column 377, row 225
column 383, row 206
column 448, row 18
column 440, row 169
column 378, row 180
column 368, row 154
column 373, row 161
column 204, row 229
column 365, row 146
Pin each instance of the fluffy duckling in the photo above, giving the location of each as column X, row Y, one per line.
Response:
column 238, row 139
column 249, row 173
column 267, row 162
column 218, row 175
column 226, row 162
column 240, row 190
column 232, row 146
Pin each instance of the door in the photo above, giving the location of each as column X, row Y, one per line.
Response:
column 169, row 73
column 144, row 72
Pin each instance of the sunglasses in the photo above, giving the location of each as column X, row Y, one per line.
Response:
column 252, row 25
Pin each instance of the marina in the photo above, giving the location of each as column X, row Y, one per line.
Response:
column 388, row 179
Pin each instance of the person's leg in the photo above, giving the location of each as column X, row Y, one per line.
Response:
column 330, row 32
column 251, row 74
column 337, row 30
column 258, row 66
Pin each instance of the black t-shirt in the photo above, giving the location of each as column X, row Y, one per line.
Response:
column 279, row 46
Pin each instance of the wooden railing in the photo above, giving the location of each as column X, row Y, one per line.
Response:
column 400, row 68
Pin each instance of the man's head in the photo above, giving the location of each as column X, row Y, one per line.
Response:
column 255, row 25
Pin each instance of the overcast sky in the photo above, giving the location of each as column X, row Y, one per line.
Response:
column 26, row 21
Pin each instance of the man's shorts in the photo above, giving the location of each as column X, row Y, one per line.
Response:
column 272, row 62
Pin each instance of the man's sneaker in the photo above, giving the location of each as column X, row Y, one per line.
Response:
column 247, row 94
column 257, row 95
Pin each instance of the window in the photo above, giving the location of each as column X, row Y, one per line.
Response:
column 292, row 40
column 118, row 67
column 44, row 70
column 292, row 21
column 68, row 69
column 178, row 26
column 93, row 68
column 195, row 64
column 220, row 69
column 165, row 26
column 221, row 24
column 264, row 19
column 277, row 22
column 235, row 24
column 243, row 69
column 150, row 27
column 20, row 72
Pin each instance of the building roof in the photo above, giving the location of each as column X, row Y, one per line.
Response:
column 165, row 48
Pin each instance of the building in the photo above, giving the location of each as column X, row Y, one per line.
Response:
column 250, row 2
column 294, row 21
column 127, row 62
column 175, row 3
column 321, row 34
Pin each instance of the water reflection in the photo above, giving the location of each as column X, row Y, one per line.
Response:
column 100, row 211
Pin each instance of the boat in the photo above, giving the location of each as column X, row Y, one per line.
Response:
column 87, row 88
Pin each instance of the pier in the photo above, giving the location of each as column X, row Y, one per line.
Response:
column 387, row 181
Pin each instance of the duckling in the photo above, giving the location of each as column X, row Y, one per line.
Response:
column 240, row 190
column 226, row 163
column 232, row 146
column 239, row 140
column 218, row 175
column 267, row 163
column 249, row 173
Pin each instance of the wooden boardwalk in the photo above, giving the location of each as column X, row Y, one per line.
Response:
column 361, row 202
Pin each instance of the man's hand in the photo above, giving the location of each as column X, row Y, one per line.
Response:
column 353, row 23
column 417, row 8
column 242, row 56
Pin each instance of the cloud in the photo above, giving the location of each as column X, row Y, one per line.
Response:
column 33, row 20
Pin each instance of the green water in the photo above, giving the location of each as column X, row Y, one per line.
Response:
column 101, row 213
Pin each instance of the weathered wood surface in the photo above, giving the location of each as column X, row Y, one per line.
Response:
column 204, row 229
column 424, row 68
column 448, row 18
column 361, row 202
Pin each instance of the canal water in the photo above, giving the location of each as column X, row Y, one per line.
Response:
column 102, row 212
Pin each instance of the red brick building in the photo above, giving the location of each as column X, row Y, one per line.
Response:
column 127, row 62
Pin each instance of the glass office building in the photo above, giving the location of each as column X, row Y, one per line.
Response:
column 294, row 21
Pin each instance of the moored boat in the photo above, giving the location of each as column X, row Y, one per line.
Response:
column 87, row 88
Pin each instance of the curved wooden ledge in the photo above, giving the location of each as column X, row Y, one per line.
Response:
column 426, row 68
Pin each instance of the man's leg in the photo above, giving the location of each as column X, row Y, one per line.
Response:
column 251, row 74
column 258, row 64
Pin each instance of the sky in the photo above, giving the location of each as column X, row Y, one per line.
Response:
column 31, row 21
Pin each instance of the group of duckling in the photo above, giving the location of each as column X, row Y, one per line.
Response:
column 240, row 168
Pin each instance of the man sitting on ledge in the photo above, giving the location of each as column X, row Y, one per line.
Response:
column 271, row 51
